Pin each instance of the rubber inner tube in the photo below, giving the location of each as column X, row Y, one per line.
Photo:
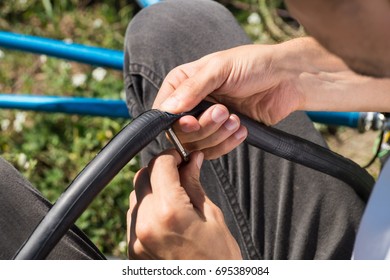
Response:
column 140, row 132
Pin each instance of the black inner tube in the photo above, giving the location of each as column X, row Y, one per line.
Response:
column 140, row 132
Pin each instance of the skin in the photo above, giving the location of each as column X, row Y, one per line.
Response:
column 355, row 30
column 345, row 68
column 177, row 220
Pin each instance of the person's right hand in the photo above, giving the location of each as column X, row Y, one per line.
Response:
column 170, row 216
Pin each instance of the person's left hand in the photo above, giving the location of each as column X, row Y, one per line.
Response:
column 170, row 217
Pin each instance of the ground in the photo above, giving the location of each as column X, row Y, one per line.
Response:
column 356, row 146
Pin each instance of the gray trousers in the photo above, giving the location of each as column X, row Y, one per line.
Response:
column 275, row 209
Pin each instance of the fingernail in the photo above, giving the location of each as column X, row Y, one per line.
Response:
column 241, row 133
column 199, row 160
column 219, row 115
column 231, row 124
column 170, row 104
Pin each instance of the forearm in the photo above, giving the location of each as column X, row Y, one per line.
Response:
column 325, row 83
column 345, row 91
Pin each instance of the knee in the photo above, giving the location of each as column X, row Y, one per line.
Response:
column 172, row 22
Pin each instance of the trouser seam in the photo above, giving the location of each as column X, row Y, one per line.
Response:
column 232, row 201
column 146, row 72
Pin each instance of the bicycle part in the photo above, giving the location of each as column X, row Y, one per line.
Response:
column 377, row 151
column 176, row 142
column 136, row 135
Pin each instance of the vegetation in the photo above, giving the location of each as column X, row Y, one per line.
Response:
column 51, row 149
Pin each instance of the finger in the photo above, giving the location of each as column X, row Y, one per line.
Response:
column 173, row 80
column 186, row 124
column 132, row 204
column 136, row 250
column 226, row 146
column 189, row 176
column 132, row 201
column 164, row 177
column 142, row 184
column 193, row 90
column 139, row 252
column 230, row 127
column 131, row 236
column 210, row 121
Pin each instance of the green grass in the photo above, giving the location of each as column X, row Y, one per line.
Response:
column 51, row 149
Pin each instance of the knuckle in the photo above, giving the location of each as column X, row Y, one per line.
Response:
column 135, row 250
column 168, row 217
column 132, row 198
column 161, row 160
column 145, row 231
column 218, row 214
column 191, row 84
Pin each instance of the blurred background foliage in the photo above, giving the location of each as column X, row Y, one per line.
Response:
column 51, row 149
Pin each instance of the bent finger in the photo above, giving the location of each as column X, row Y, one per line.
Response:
column 226, row 146
column 173, row 80
column 230, row 127
column 189, row 176
column 142, row 184
column 194, row 89
column 209, row 122
column 164, row 176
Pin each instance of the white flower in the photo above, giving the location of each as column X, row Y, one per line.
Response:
column 97, row 23
column 65, row 65
column 5, row 124
column 22, row 159
column 99, row 73
column 1, row 54
column 20, row 118
column 122, row 246
column 123, row 94
column 68, row 41
column 254, row 19
column 43, row 58
column 79, row 79
column 133, row 162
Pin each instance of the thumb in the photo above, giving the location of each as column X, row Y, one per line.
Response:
column 193, row 88
column 189, row 179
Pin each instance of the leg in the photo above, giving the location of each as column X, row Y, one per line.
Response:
column 21, row 208
column 275, row 209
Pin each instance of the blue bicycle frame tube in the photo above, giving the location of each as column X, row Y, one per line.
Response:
column 69, row 105
column 350, row 119
column 146, row 3
column 77, row 52
column 106, row 58
column 117, row 108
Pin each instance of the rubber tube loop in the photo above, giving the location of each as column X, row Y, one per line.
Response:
column 140, row 132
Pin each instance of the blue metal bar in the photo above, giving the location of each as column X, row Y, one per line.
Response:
column 146, row 3
column 77, row 52
column 350, row 119
column 69, row 105
column 117, row 108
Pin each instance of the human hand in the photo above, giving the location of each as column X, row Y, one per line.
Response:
column 216, row 132
column 263, row 82
column 170, row 217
